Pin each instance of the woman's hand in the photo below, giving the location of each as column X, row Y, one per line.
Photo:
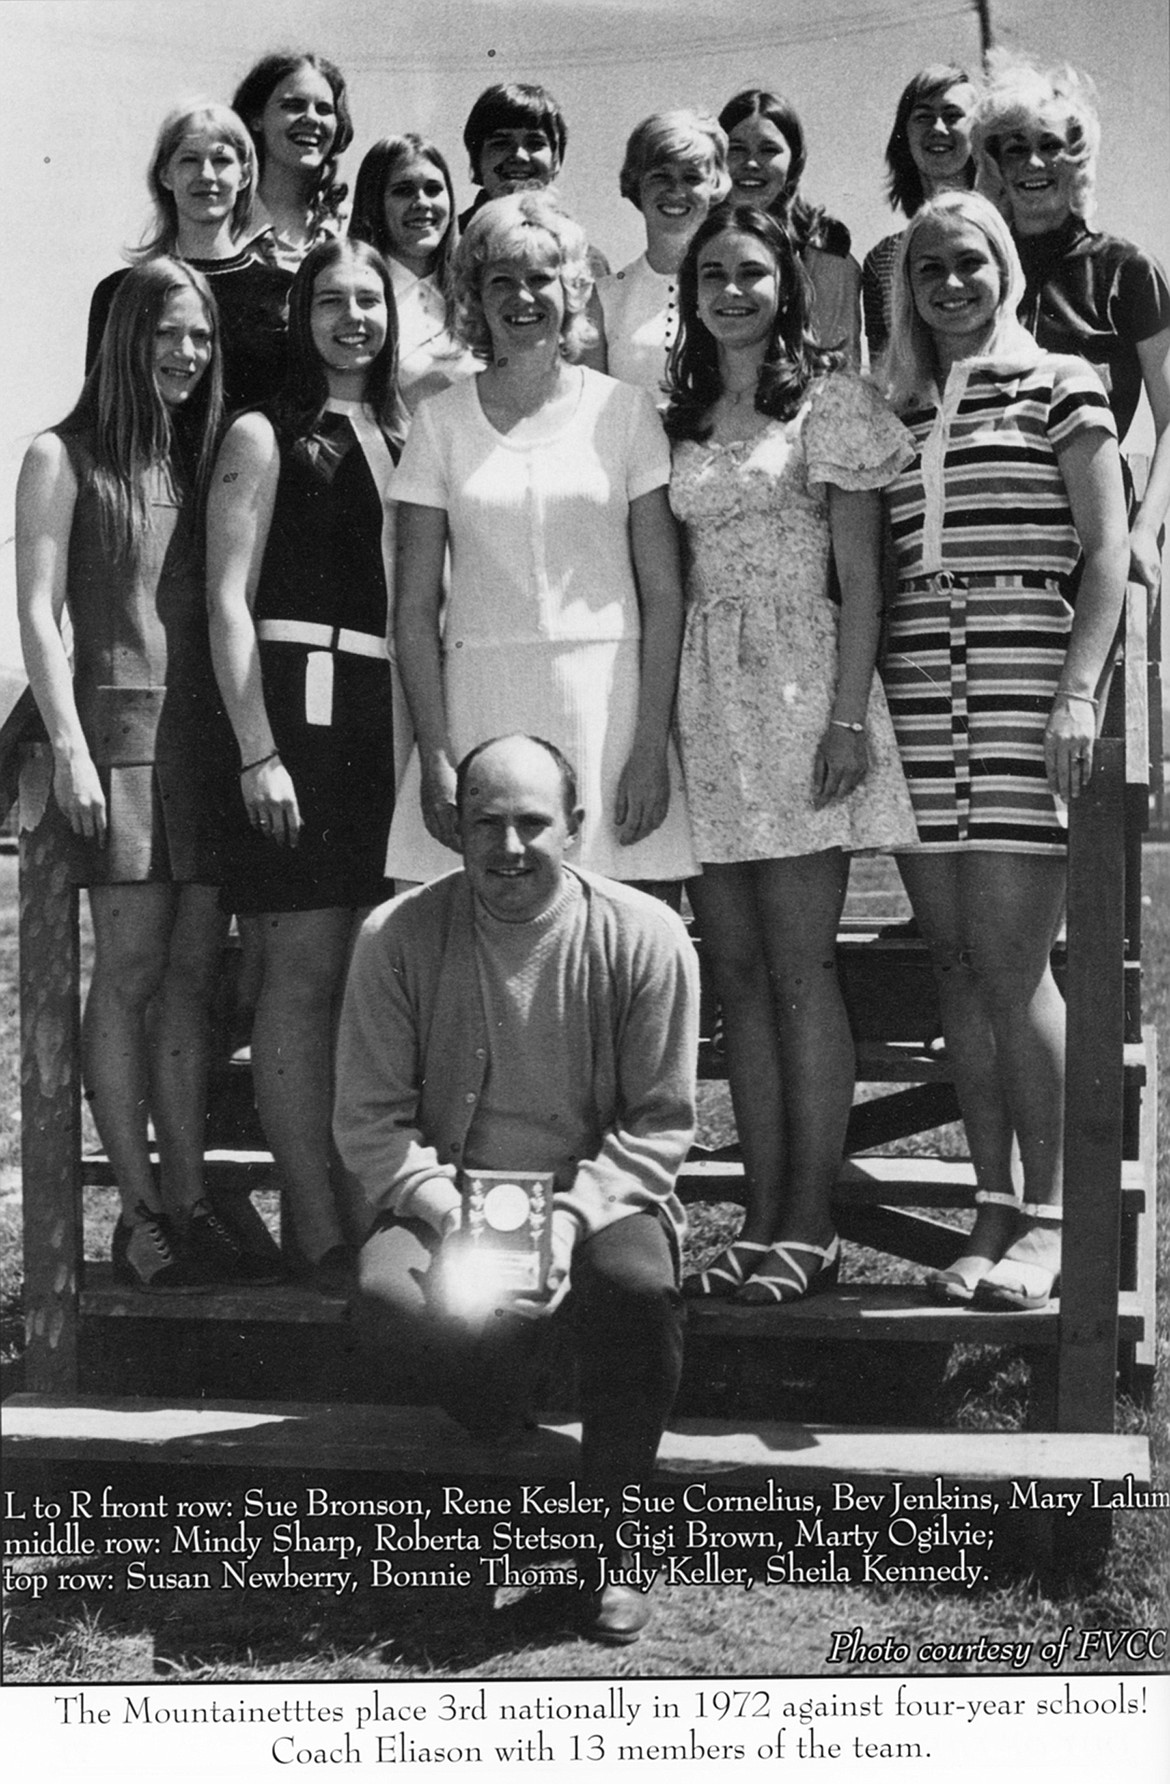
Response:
column 643, row 793
column 1069, row 737
column 437, row 795
column 839, row 765
column 271, row 801
column 77, row 789
column 1145, row 560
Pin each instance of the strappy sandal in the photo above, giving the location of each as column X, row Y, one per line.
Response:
column 1020, row 1283
column 956, row 1286
column 721, row 1279
column 780, row 1279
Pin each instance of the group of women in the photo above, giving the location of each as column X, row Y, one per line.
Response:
column 640, row 514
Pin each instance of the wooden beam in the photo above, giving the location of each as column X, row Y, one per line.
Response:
column 1087, row 1353
column 423, row 1440
column 50, row 1104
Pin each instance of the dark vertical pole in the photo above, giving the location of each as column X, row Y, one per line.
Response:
column 50, row 1105
column 1087, row 1352
column 983, row 11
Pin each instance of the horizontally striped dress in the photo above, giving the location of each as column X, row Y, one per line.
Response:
column 984, row 544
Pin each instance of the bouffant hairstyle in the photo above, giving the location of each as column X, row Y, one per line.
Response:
column 508, row 229
column 1021, row 96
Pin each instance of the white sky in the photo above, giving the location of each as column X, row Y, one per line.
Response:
column 92, row 79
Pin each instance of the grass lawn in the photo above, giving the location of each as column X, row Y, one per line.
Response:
column 182, row 1636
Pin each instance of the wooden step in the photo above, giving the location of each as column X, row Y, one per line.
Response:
column 412, row 1439
column 855, row 1310
column 282, row 1303
column 897, row 1313
column 899, row 1180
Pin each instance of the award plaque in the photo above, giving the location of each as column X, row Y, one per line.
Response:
column 507, row 1220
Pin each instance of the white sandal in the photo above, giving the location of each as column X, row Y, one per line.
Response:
column 726, row 1275
column 1022, row 1282
column 956, row 1285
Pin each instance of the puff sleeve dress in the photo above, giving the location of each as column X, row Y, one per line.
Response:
column 759, row 659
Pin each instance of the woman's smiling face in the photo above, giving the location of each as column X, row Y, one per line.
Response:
column 938, row 133
column 299, row 121
column 738, row 291
column 523, row 296
column 675, row 195
column 204, row 177
column 759, row 160
column 1038, row 174
column 956, row 282
column 417, row 210
column 348, row 319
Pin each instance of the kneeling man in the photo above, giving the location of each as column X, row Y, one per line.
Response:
column 522, row 1015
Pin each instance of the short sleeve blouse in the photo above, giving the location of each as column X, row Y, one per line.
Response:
column 985, row 490
column 538, row 519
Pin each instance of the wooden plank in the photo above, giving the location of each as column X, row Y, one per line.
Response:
column 1137, row 720
column 1087, row 1354
column 920, row 1182
column 913, row 1237
column 23, row 726
column 50, row 1101
column 885, row 1119
column 282, row 1303
column 424, row 1440
column 902, row 1314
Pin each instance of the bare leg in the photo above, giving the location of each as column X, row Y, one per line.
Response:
column 934, row 884
column 800, row 902
column 991, row 919
column 132, row 928
column 724, row 903
column 1013, row 906
column 771, row 929
column 180, row 1040
column 305, row 954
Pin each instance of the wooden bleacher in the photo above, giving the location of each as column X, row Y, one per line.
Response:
column 267, row 1374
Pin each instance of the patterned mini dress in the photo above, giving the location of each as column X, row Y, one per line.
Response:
column 985, row 549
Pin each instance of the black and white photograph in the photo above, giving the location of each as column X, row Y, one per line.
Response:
column 585, row 888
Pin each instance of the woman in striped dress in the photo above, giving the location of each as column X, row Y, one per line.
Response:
column 992, row 680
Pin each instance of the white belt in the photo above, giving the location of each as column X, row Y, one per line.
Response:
column 303, row 631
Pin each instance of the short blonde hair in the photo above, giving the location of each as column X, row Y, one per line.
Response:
column 497, row 230
column 1019, row 96
column 675, row 136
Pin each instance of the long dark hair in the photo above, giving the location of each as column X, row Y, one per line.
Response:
column 811, row 225
column 301, row 401
column 367, row 222
column 257, row 88
column 793, row 357
column 121, row 412
column 904, row 182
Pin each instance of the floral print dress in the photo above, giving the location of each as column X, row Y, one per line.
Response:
column 759, row 660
